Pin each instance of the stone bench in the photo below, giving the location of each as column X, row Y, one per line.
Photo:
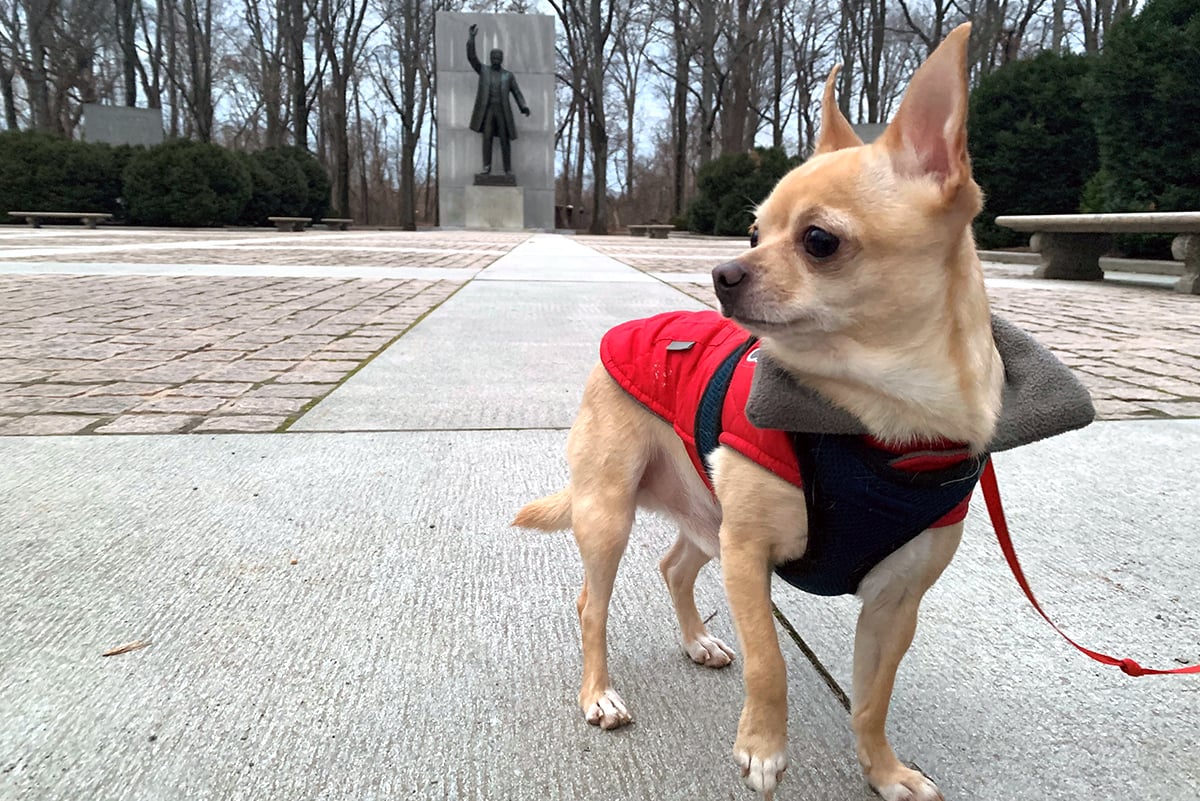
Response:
column 652, row 231
column 1070, row 245
column 290, row 223
column 34, row 218
column 337, row 223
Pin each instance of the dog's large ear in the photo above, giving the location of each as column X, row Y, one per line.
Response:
column 836, row 132
column 928, row 136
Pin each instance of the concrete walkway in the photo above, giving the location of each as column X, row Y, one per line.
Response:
column 340, row 611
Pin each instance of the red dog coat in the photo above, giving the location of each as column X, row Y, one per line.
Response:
column 865, row 500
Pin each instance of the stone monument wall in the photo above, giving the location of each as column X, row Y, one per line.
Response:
column 528, row 44
column 121, row 125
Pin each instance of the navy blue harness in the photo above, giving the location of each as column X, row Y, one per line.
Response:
column 861, row 507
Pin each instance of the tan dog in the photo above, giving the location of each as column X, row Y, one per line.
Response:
column 867, row 288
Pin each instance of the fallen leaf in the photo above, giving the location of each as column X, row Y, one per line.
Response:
column 136, row 645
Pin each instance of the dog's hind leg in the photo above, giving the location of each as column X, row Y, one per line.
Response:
column 679, row 568
column 601, row 525
column 891, row 595
column 608, row 450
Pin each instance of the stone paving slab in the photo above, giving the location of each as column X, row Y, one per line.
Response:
column 990, row 699
column 332, row 259
column 499, row 354
column 125, row 354
column 272, row 270
column 546, row 257
column 345, row 617
column 134, row 245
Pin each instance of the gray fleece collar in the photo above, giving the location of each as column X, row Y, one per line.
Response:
column 1042, row 397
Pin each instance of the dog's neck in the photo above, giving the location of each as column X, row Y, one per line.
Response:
column 942, row 380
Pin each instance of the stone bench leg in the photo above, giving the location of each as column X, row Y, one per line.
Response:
column 33, row 222
column 1186, row 248
column 658, row 233
column 1072, row 257
column 89, row 222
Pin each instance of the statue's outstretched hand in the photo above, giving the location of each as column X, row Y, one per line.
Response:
column 474, row 29
column 525, row 110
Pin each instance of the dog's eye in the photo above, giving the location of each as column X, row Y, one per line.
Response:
column 819, row 243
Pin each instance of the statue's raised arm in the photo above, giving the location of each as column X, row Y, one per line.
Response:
column 472, row 58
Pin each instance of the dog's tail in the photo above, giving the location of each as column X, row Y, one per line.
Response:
column 552, row 513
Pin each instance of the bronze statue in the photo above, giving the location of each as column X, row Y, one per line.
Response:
column 492, row 115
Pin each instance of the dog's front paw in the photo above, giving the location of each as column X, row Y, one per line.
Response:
column 608, row 711
column 762, row 768
column 905, row 784
column 709, row 651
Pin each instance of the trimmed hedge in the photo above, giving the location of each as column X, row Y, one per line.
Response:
column 178, row 183
column 1145, row 106
column 185, row 183
column 1033, row 147
column 317, row 204
column 41, row 172
column 278, row 187
column 731, row 187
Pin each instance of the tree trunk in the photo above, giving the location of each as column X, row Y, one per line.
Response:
column 129, row 57
column 364, row 204
column 6, row 95
column 872, row 84
column 152, row 79
column 680, row 20
column 340, row 144
column 37, row 13
column 736, row 115
column 779, row 19
column 708, row 80
column 198, row 29
column 597, row 125
column 168, row 9
column 297, row 30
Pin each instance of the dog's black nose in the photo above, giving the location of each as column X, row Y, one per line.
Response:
column 728, row 275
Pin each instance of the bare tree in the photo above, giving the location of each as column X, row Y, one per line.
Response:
column 712, row 79
column 38, row 21
column 812, row 41
column 295, row 30
column 410, row 57
column 738, row 123
column 339, row 29
column 10, row 56
column 198, row 95
column 631, row 39
column 588, row 28
column 681, row 18
column 127, row 37
column 268, row 50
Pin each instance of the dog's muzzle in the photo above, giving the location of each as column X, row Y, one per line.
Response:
column 730, row 281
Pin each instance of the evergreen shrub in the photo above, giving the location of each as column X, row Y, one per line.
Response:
column 42, row 172
column 732, row 186
column 187, row 184
column 1033, row 147
column 1145, row 104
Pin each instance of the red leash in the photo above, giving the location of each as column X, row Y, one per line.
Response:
column 991, row 494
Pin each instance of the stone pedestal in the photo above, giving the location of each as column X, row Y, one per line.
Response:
column 1070, row 256
column 1186, row 248
column 494, row 207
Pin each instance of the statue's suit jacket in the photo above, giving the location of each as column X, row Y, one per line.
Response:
column 508, row 84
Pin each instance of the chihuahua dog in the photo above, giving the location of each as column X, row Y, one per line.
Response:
column 865, row 288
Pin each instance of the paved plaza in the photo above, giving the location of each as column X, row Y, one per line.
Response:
column 141, row 331
column 286, row 464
